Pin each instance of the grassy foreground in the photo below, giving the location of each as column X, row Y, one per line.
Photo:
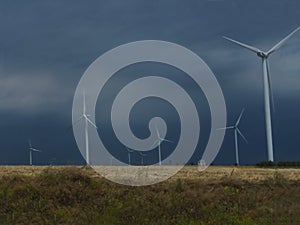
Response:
column 73, row 196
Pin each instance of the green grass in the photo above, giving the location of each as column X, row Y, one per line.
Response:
column 71, row 196
column 280, row 164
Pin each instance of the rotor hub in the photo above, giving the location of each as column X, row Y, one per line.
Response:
column 262, row 55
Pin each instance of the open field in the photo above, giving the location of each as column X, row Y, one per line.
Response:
column 217, row 196
column 212, row 173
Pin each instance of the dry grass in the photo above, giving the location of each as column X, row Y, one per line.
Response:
column 212, row 173
column 218, row 196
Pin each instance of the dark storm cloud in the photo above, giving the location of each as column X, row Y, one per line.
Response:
column 45, row 47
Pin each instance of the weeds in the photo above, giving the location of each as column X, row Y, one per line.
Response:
column 71, row 196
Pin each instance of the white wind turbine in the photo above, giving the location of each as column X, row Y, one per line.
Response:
column 31, row 149
column 111, row 160
column 129, row 155
column 142, row 157
column 87, row 121
column 158, row 143
column 267, row 85
column 236, row 132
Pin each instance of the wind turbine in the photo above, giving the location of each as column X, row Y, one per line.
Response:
column 31, row 149
column 129, row 156
column 267, row 85
column 236, row 132
column 86, row 134
column 142, row 157
column 158, row 142
column 111, row 160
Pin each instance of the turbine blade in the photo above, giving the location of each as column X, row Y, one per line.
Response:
column 154, row 143
column 84, row 108
column 29, row 142
column 239, row 119
column 157, row 133
column 142, row 154
column 226, row 128
column 129, row 150
column 270, row 86
column 280, row 43
column 166, row 140
column 73, row 124
column 35, row 150
column 249, row 47
column 91, row 122
column 240, row 133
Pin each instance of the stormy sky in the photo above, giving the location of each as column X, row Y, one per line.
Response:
column 46, row 46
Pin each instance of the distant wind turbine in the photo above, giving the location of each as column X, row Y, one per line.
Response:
column 267, row 85
column 158, row 143
column 236, row 132
column 129, row 155
column 31, row 149
column 142, row 157
column 111, row 160
column 87, row 121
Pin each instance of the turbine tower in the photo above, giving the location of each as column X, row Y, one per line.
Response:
column 236, row 132
column 267, row 85
column 142, row 157
column 87, row 121
column 31, row 149
column 111, row 160
column 129, row 155
column 158, row 143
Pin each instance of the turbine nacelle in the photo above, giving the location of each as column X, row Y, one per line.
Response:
column 262, row 54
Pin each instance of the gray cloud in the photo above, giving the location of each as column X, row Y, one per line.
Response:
column 45, row 48
column 32, row 94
